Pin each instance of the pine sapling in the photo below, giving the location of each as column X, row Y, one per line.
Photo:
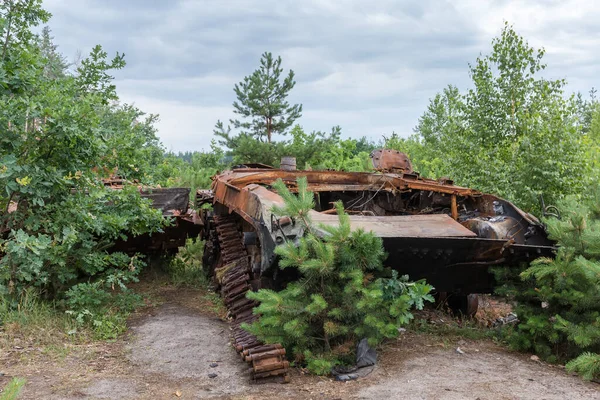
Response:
column 339, row 298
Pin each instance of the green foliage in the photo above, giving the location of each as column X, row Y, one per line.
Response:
column 261, row 102
column 61, row 131
column 424, row 158
column 295, row 205
column 346, row 156
column 98, row 305
column 44, row 322
column 591, row 141
column 91, row 305
column 417, row 292
column 339, row 298
column 54, row 246
column 13, row 389
column 194, row 172
column 559, row 299
column 186, row 267
column 315, row 150
column 132, row 149
column 587, row 365
column 55, row 63
column 514, row 133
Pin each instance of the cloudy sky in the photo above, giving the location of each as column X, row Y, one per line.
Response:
column 368, row 66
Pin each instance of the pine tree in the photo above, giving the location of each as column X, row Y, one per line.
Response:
column 261, row 103
column 587, row 365
column 55, row 64
column 559, row 299
column 340, row 297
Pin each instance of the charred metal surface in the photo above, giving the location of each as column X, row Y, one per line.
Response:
column 415, row 226
column 431, row 229
column 171, row 201
column 114, row 182
column 172, row 237
column 174, row 204
column 204, row 197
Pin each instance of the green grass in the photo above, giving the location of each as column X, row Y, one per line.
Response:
column 36, row 321
column 31, row 321
column 12, row 390
column 452, row 329
column 185, row 269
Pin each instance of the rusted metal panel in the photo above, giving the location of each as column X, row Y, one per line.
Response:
column 434, row 225
column 114, row 182
column 253, row 166
column 453, row 207
column 391, row 160
column 172, row 237
column 431, row 228
column 171, row 201
column 340, row 181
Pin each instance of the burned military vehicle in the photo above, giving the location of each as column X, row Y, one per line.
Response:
column 174, row 205
column 432, row 229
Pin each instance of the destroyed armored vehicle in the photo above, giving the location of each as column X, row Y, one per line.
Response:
column 432, row 229
column 174, row 204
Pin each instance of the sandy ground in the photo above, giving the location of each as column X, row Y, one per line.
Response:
column 486, row 374
column 169, row 351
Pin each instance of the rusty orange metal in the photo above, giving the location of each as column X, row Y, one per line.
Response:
column 431, row 229
column 432, row 225
column 427, row 225
column 391, row 160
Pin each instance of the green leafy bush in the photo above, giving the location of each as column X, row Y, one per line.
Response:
column 558, row 300
column 62, row 241
column 339, row 298
column 101, row 306
column 62, row 131
column 514, row 132
column 186, row 267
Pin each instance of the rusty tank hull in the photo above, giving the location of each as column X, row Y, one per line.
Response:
column 431, row 229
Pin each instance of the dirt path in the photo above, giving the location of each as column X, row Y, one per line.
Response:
column 170, row 350
column 486, row 374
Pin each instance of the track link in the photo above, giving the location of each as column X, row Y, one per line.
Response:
column 234, row 275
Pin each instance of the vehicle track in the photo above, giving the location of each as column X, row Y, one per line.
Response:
column 233, row 273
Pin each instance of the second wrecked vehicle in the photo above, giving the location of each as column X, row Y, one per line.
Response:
column 431, row 229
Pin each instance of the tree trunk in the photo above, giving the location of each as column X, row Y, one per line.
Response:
column 10, row 10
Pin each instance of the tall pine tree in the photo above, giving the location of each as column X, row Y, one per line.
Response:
column 262, row 103
column 55, row 64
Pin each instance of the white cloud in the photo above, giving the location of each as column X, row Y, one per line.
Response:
column 367, row 66
column 181, row 127
column 381, row 19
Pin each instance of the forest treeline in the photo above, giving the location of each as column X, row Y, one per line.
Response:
column 512, row 132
